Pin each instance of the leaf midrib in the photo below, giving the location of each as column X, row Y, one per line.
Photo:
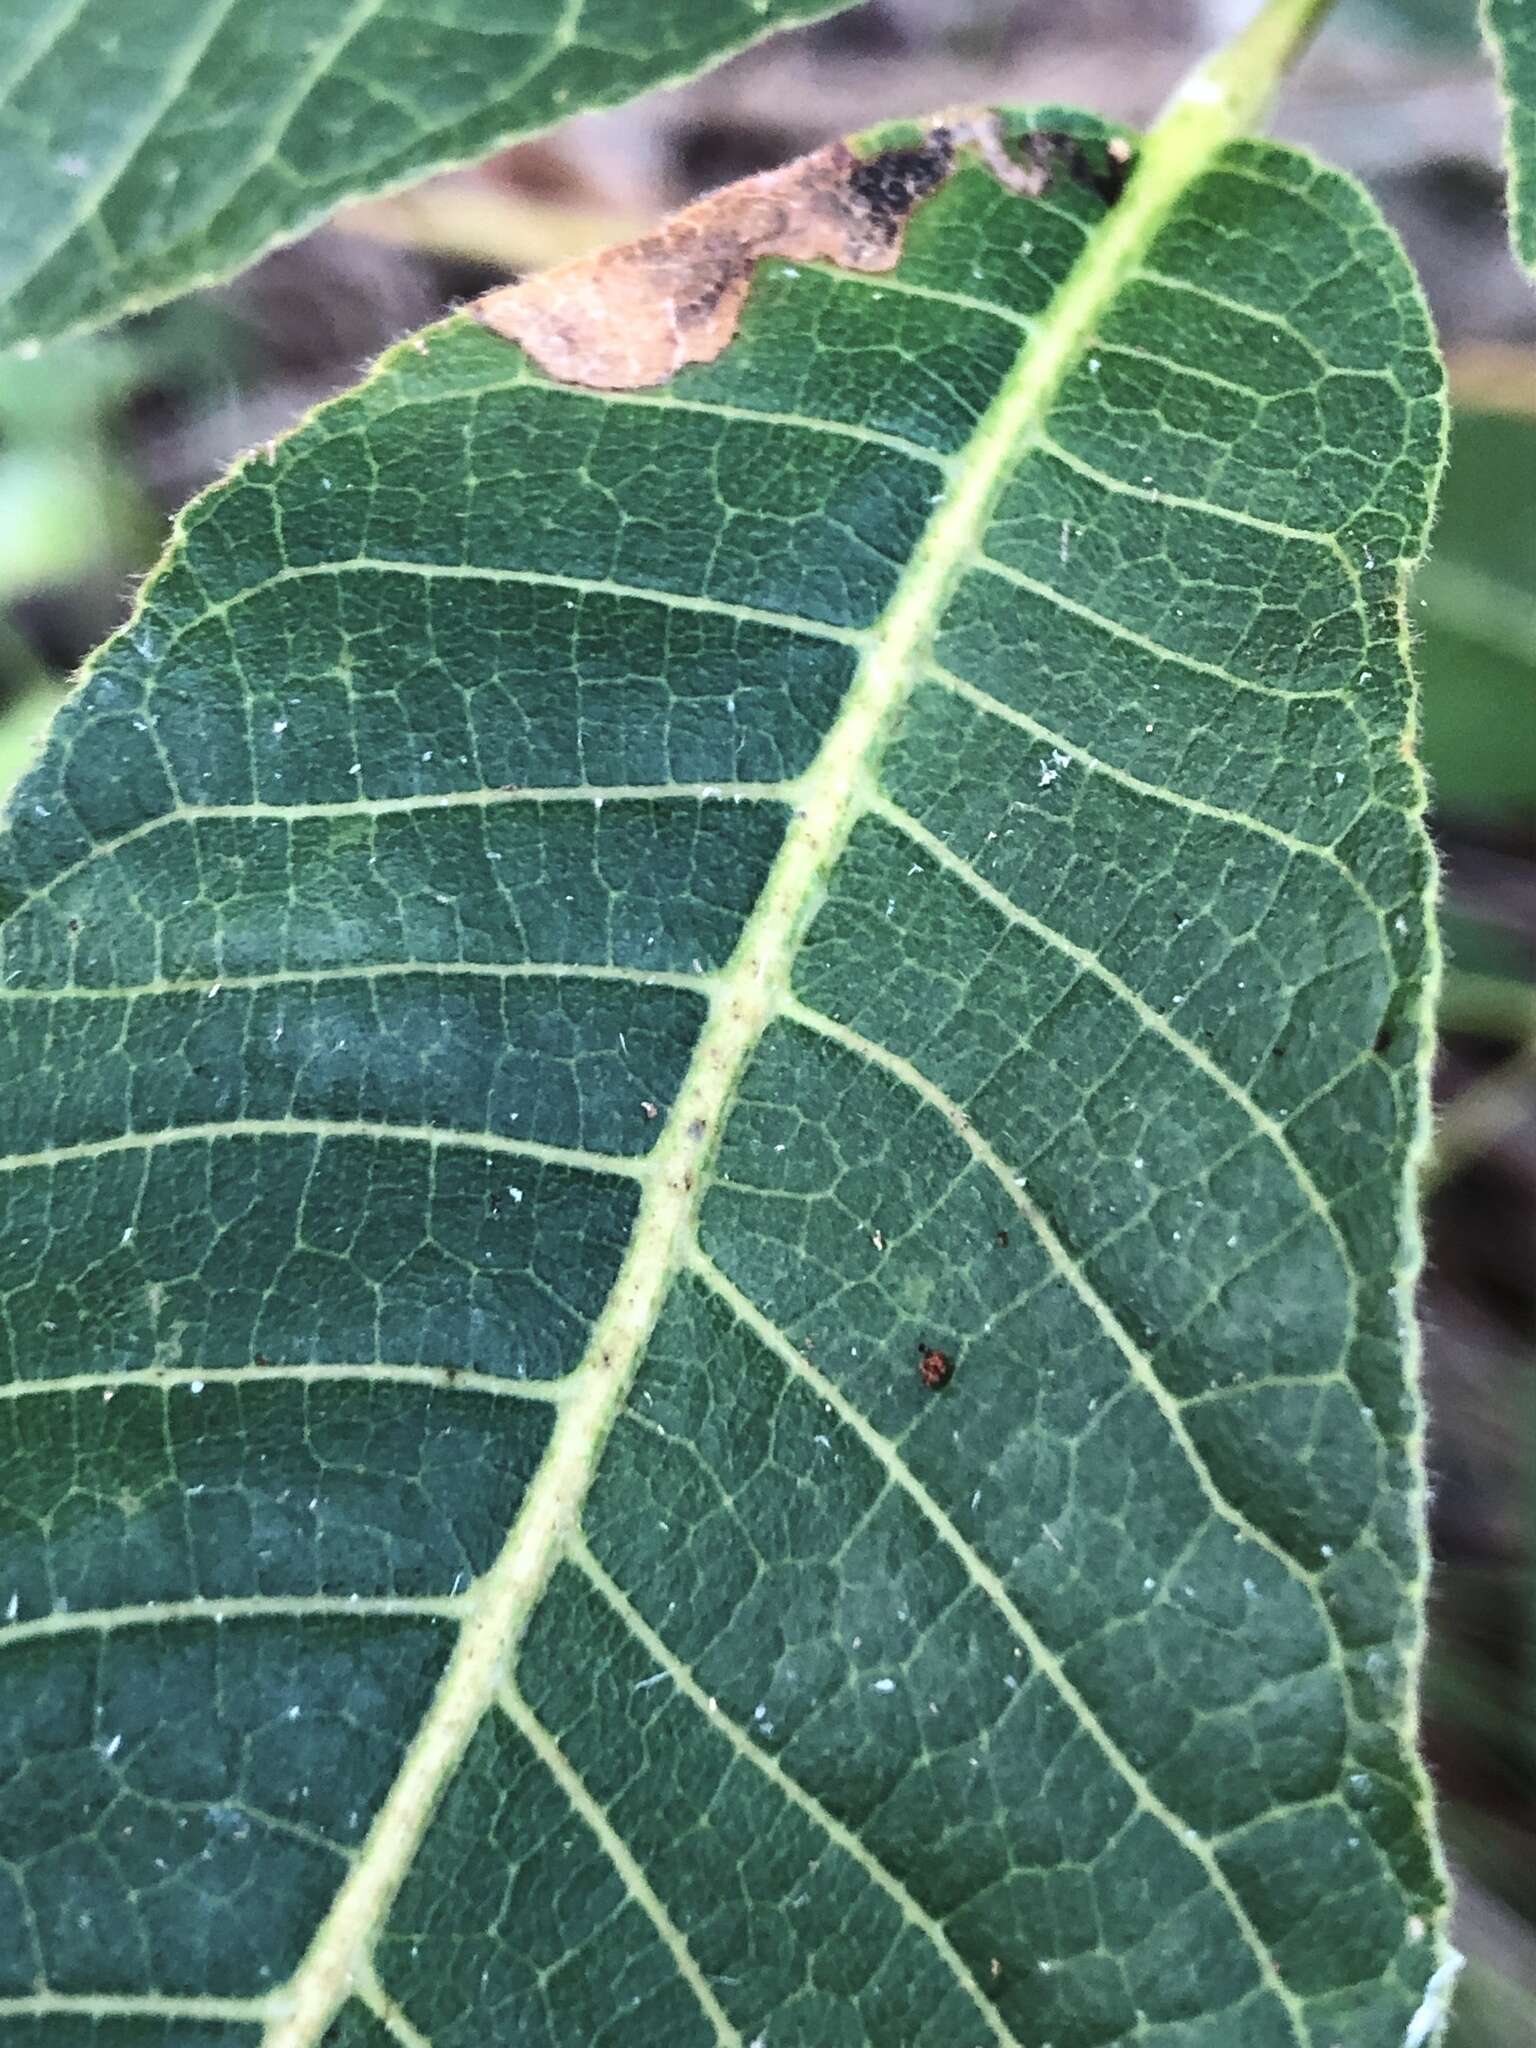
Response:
column 748, row 994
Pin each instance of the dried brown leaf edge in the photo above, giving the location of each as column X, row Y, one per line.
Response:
column 633, row 315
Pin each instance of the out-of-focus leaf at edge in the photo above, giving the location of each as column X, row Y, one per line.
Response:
column 1511, row 29
column 159, row 146
column 1490, row 2011
column 569, row 938
column 1476, row 607
column 21, row 728
column 67, row 504
column 1435, row 23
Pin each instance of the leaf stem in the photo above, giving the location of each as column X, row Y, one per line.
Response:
column 1233, row 88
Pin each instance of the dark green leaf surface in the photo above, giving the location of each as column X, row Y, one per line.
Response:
column 161, row 146
column 570, row 938
column 1511, row 28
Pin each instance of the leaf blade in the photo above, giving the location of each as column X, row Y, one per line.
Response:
column 815, row 1043
column 1510, row 28
column 163, row 149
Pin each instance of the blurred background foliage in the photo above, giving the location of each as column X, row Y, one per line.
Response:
column 103, row 439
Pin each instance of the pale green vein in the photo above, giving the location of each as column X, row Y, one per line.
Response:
column 388, row 2011
column 213, row 1611
column 1158, row 792
column 1232, row 515
column 50, row 34
column 989, row 565
column 618, row 1852
column 150, row 2005
column 324, row 1127
column 1210, row 1397
column 482, row 798
column 764, row 1762
column 533, row 579
column 665, row 400
column 988, row 1583
column 1070, row 1269
column 321, row 57
column 1154, row 1021
column 199, row 39
column 1200, row 372
column 1244, row 310
column 882, row 282
column 455, row 1379
column 366, row 972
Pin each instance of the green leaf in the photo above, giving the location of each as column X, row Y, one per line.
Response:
column 1511, row 29
column 161, row 147
column 1490, row 2010
column 20, row 730
column 573, row 936
column 1436, row 24
column 1476, row 605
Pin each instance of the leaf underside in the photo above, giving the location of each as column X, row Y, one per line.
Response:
column 164, row 146
column 570, row 939
column 1511, row 26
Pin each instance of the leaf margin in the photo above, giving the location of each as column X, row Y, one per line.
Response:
column 1509, row 30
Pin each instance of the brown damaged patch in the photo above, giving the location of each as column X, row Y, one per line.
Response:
column 634, row 315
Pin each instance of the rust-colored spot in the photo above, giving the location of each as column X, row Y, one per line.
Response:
column 935, row 1368
column 634, row 315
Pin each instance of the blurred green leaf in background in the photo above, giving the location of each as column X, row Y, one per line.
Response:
column 161, row 147
column 1475, row 608
column 71, row 513
column 1478, row 617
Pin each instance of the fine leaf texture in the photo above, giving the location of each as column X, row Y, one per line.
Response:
column 572, row 938
column 1511, row 29
column 161, row 146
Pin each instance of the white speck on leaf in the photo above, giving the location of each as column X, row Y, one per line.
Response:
column 1436, row 2003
